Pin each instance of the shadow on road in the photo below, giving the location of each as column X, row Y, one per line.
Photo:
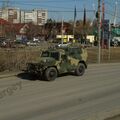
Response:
column 26, row 76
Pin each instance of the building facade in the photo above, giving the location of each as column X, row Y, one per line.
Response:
column 15, row 15
column 38, row 17
column 12, row 15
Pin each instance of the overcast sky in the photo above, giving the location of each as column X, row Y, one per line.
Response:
column 65, row 8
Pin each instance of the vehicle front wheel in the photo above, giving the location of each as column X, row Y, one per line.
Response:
column 50, row 74
column 80, row 70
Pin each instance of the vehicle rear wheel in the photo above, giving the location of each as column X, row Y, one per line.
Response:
column 50, row 74
column 80, row 70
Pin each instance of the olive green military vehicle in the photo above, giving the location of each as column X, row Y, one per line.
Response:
column 53, row 62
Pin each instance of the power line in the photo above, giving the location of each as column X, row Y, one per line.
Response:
column 42, row 5
column 111, row 4
column 70, row 11
column 108, row 12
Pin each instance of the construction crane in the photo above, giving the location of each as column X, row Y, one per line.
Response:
column 5, row 4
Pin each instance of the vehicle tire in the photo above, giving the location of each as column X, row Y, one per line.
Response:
column 80, row 70
column 50, row 74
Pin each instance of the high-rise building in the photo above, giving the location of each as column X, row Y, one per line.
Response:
column 38, row 17
column 15, row 15
column 42, row 16
column 11, row 14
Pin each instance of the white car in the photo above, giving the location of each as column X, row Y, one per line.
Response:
column 31, row 43
column 64, row 44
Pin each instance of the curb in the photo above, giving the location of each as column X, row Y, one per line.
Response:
column 6, row 75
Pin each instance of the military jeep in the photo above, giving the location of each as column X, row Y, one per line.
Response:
column 56, row 61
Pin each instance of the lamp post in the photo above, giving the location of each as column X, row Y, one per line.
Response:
column 99, row 34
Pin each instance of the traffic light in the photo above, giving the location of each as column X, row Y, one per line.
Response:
column 97, row 14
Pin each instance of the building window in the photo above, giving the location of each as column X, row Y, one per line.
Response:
column 43, row 14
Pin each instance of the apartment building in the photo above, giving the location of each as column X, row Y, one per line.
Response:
column 38, row 17
column 10, row 14
column 15, row 15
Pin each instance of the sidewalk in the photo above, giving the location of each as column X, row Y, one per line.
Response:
column 7, row 74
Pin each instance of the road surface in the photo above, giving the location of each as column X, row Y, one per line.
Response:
column 94, row 96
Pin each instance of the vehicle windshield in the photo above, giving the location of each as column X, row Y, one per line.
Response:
column 54, row 55
column 73, row 51
column 45, row 54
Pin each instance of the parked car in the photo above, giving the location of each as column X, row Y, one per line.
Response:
column 32, row 43
column 63, row 45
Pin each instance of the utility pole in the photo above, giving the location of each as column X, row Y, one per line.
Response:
column 102, row 28
column 115, row 15
column 62, row 31
column 99, row 33
column 75, row 14
column 109, row 40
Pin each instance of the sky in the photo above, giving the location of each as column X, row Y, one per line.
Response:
column 64, row 9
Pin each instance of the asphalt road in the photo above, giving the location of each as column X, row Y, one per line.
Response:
column 94, row 96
